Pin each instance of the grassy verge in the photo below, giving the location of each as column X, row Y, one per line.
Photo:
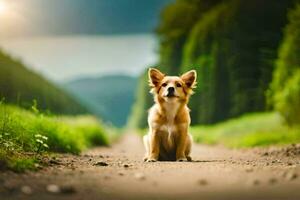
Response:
column 258, row 129
column 25, row 135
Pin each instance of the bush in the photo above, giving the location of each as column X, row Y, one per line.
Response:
column 256, row 129
column 284, row 92
column 23, row 132
column 287, row 101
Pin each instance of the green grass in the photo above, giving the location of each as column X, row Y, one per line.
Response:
column 258, row 129
column 25, row 135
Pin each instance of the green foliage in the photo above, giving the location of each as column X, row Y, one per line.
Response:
column 22, row 164
column 206, row 51
column 15, row 161
column 23, row 132
column 177, row 20
column 20, row 86
column 233, row 61
column 284, row 93
column 257, row 129
column 287, row 100
column 232, row 44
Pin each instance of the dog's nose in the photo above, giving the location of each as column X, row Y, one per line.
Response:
column 171, row 89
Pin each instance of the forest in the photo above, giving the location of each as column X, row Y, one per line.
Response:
column 246, row 54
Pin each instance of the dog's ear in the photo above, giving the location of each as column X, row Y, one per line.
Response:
column 155, row 76
column 189, row 78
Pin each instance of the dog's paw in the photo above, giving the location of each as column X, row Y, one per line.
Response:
column 181, row 159
column 189, row 158
column 145, row 159
column 151, row 160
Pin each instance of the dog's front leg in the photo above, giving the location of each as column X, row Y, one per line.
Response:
column 154, row 146
column 181, row 143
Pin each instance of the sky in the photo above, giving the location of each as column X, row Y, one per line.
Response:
column 63, row 58
column 67, row 17
column 65, row 39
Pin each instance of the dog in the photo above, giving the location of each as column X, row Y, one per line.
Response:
column 168, row 138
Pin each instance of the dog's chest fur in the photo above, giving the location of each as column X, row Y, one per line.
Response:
column 171, row 110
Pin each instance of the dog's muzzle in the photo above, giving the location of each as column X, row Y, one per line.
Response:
column 171, row 92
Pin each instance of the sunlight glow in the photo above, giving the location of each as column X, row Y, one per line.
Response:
column 3, row 7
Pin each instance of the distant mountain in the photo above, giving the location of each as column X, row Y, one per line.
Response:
column 110, row 97
column 19, row 85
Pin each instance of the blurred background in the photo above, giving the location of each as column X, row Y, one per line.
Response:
column 91, row 51
column 76, row 57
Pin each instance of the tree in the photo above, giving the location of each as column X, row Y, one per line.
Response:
column 233, row 47
column 284, row 93
column 232, row 44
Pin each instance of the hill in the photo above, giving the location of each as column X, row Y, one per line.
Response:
column 19, row 85
column 110, row 97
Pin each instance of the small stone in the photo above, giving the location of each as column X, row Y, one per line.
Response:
column 54, row 162
column 126, row 165
column 273, row 180
column 101, row 163
column 36, row 165
column 249, row 170
column 67, row 189
column 139, row 176
column 26, row 190
column 255, row 182
column 266, row 154
column 289, row 163
column 52, row 188
column 202, row 182
column 121, row 174
column 292, row 176
column 90, row 159
column 10, row 185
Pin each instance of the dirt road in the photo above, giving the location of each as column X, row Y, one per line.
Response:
column 215, row 173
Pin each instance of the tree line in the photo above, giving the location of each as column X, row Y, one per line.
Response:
column 246, row 54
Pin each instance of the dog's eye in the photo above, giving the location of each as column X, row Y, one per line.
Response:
column 178, row 85
column 164, row 85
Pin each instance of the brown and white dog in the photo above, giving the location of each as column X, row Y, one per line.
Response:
column 169, row 119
